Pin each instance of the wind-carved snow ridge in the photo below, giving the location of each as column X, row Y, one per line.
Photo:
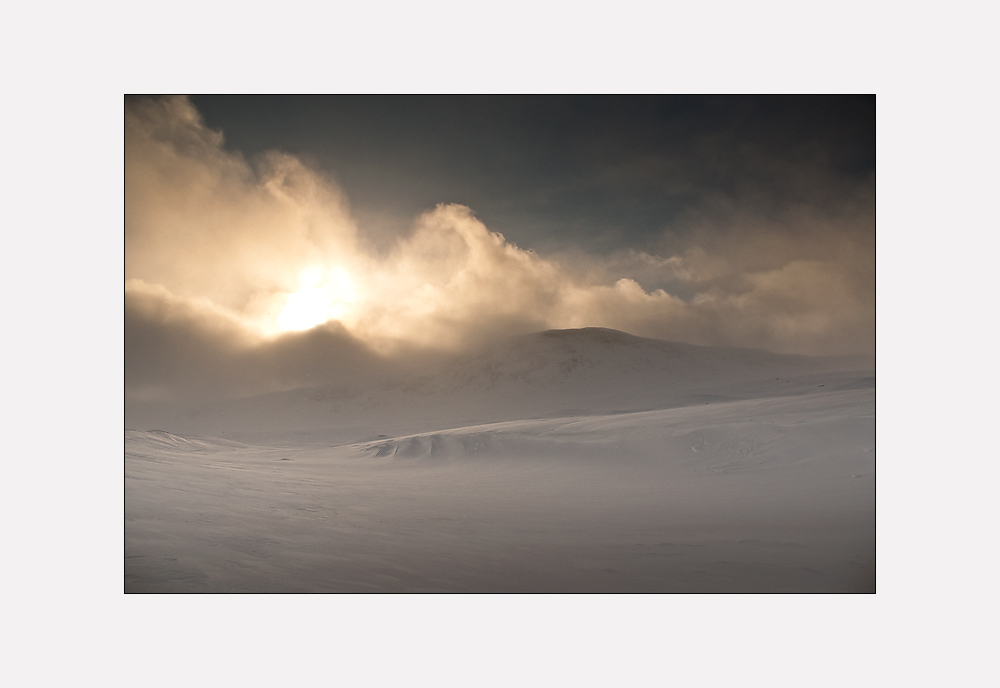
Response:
column 161, row 439
column 436, row 445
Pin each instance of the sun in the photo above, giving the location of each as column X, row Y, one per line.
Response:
column 325, row 295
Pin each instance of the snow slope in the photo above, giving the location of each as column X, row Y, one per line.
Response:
column 572, row 461
column 547, row 374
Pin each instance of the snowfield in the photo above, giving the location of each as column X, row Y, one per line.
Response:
column 567, row 461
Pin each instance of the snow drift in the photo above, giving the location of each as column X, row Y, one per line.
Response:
column 566, row 461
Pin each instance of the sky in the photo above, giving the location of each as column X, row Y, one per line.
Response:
column 267, row 238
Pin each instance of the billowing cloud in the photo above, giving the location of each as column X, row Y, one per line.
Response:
column 227, row 259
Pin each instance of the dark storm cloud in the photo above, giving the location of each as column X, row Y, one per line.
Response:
column 602, row 172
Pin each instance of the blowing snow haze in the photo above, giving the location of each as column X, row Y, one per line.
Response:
column 273, row 242
column 466, row 344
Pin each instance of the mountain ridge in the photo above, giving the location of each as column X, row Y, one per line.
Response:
column 544, row 374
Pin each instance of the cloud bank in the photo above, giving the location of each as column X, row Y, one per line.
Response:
column 227, row 260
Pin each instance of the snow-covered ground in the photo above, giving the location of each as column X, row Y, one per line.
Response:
column 567, row 461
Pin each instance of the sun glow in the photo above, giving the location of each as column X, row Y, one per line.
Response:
column 323, row 296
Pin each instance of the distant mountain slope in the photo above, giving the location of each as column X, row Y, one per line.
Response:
column 546, row 374
column 599, row 358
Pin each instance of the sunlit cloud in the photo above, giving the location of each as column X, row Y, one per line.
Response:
column 271, row 247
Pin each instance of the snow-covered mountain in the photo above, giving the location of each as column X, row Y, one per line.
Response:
column 556, row 373
column 563, row 461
